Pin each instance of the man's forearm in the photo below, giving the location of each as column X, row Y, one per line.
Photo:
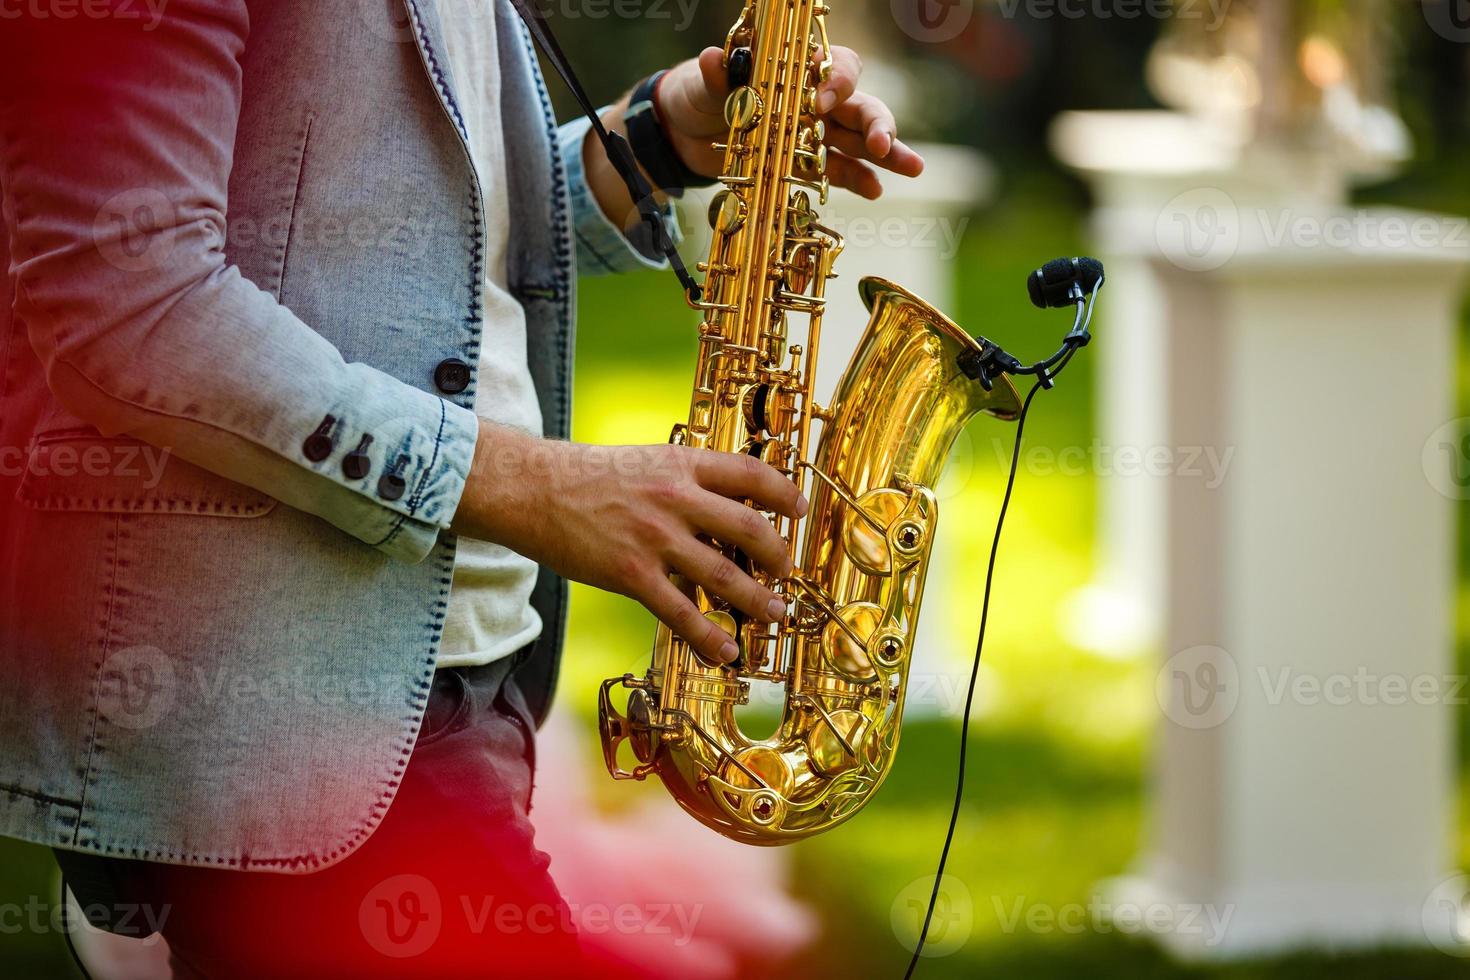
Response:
column 607, row 186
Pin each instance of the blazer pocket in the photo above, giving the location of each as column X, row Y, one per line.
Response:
column 82, row 471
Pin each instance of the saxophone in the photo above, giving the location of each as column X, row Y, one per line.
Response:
column 842, row 652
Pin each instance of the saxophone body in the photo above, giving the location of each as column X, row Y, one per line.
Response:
column 867, row 463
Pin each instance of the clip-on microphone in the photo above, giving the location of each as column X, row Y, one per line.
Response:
column 1061, row 282
column 1064, row 282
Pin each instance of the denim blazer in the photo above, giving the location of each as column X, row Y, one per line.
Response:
column 243, row 245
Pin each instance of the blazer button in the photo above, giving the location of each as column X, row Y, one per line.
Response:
column 392, row 486
column 356, row 465
column 452, row 376
column 318, row 446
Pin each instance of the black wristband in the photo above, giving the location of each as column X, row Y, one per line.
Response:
column 651, row 144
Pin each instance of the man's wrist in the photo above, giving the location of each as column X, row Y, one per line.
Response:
column 652, row 145
column 496, row 485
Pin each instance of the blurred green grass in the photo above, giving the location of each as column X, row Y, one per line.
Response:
column 1058, row 755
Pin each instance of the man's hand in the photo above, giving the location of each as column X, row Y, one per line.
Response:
column 861, row 131
column 860, row 128
column 623, row 519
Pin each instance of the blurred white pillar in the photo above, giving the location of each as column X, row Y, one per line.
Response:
column 1302, row 586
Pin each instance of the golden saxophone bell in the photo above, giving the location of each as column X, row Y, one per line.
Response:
column 842, row 653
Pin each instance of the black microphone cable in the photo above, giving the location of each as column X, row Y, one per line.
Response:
column 959, row 792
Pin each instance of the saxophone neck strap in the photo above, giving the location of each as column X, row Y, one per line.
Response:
column 619, row 153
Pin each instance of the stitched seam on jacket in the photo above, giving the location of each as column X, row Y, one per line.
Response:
column 95, row 708
column 39, row 797
column 592, row 250
column 559, row 219
column 295, row 204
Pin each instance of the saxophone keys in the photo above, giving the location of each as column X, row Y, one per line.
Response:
column 726, row 622
column 846, row 640
column 767, row 765
column 800, row 213
column 728, row 212
column 768, row 409
column 866, row 539
column 743, row 108
column 815, row 160
column 826, row 751
column 739, row 67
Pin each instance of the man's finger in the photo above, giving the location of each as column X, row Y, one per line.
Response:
column 676, row 611
column 719, row 576
column 847, row 68
column 866, row 114
column 900, row 159
column 742, row 477
column 734, row 523
column 854, row 175
column 710, row 99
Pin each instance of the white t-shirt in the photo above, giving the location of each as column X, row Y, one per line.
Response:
column 490, row 614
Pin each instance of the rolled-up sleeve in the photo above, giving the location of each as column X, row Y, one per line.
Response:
column 116, row 145
column 602, row 246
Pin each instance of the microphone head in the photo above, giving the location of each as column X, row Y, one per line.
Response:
column 1051, row 285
